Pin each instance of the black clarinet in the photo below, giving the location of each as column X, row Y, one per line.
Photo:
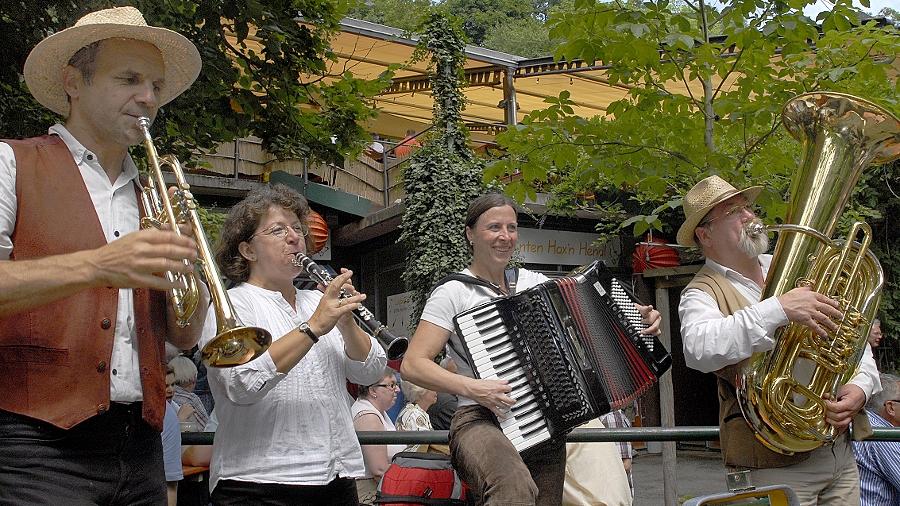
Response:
column 394, row 346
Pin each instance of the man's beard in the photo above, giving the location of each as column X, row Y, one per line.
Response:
column 752, row 245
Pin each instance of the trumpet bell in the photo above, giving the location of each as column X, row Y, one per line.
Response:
column 236, row 346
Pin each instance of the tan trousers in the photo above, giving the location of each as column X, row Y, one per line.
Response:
column 827, row 478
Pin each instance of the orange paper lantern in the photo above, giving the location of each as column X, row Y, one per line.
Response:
column 654, row 255
column 318, row 230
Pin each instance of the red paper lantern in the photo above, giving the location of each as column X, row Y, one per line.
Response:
column 318, row 230
column 654, row 256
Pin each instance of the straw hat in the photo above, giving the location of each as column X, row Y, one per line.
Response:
column 704, row 196
column 45, row 63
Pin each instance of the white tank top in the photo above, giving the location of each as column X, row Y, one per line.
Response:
column 362, row 406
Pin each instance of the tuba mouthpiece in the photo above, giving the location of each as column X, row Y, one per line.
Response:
column 755, row 228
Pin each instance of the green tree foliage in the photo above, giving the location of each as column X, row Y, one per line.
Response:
column 264, row 74
column 522, row 37
column 512, row 26
column 660, row 138
column 479, row 17
column 442, row 176
column 407, row 15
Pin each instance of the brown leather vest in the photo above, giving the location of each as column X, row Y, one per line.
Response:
column 740, row 448
column 55, row 358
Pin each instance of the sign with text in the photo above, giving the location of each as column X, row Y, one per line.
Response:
column 541, row 246
column 399, row 312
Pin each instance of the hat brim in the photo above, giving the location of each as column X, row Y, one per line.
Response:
column 685, row 235
column 45, row 63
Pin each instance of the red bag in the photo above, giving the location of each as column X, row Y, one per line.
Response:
column 421, row 478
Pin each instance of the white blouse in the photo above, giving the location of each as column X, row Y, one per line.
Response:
column 292, row 428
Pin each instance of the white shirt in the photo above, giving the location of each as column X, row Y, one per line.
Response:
column 292, row 428
column 454, row 297
column 117, row 210
column 713, row 341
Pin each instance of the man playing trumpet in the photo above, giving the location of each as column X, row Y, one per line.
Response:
column 83, row 317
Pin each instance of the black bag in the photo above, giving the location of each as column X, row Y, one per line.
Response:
column 421, row 478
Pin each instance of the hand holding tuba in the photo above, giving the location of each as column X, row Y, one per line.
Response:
column 233, row 344
column 783, row 392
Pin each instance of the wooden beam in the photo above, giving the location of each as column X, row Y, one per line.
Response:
column 667, row 402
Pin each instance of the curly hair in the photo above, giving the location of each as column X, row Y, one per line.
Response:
column 243, row 219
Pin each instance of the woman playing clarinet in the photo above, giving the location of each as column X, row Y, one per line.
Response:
column 285, row 432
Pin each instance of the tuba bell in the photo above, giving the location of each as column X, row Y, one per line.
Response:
column 782, row 392
column 234, row 344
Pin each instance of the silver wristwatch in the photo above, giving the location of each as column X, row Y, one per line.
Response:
column 304, row 327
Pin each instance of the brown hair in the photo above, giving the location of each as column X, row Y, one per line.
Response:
column 85, row 60
column 243, row 219
column 481, row 205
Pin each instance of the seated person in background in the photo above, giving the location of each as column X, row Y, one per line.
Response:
column 594, row 473
column 370, row 413
column 405, row 147
column 171, row 441
column 190, row 407
column 875, row 334
column 375, row 150
column 200, row 455
column 441, row 412
column 414, row 415
column 617, row 419
column 201, row 388
column 879, row 461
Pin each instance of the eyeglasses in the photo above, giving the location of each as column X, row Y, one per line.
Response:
column 387, row 385
column 280, row 231
column 731, row 212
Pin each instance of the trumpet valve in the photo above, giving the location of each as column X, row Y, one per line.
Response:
column 148, row 222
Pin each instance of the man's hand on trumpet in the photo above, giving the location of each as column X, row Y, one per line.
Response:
column 136, row 259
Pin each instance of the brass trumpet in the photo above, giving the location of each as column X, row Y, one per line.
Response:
column 234, row 344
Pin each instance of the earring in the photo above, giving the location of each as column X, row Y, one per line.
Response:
column 374, row 396
column 471, row 243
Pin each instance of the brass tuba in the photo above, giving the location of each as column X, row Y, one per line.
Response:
column 233, row 344
column 781, row 392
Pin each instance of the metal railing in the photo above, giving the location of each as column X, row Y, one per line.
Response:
column 692, row 433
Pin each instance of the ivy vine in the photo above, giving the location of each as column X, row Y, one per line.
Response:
column 442, row 176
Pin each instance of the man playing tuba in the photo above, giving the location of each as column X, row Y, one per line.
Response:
column 724, row 322
column 83, row 317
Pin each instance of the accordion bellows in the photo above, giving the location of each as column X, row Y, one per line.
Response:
column 570, row 348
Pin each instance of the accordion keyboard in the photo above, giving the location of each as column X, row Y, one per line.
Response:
column 494, row 357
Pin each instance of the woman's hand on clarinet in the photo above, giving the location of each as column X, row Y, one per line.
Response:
column 332, row 309
column 492, row 394
column 651, row 317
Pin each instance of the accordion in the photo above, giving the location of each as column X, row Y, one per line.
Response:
column 570, row 348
